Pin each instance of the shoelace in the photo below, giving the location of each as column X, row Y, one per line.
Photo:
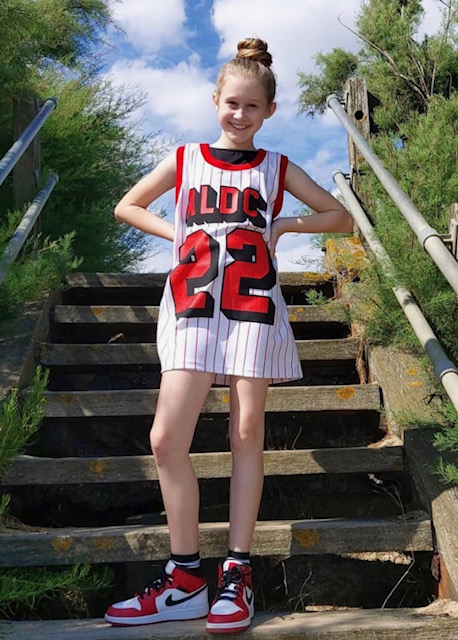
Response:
column 156, row 585
column 233, row 576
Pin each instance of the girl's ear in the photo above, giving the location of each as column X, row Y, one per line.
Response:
column 271, row 110
column 215, row 99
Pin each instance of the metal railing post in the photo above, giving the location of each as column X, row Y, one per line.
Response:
column 13, row 155
column 25, row 226
column 445, row 370
column 428, row 237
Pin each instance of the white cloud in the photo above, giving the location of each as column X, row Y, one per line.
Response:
column 319, row 167
column 432, row 17
column 160, row 261
column 295, row 30
column 152, row 24
column 296, row 252
column 179, row 98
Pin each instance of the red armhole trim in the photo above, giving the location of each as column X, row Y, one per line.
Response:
column 281, row 186
column 179, row 172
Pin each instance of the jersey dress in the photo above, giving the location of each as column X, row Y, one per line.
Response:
column 222, row 310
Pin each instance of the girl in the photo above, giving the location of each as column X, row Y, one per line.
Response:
column 222, row 319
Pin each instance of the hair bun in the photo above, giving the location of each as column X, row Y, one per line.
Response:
column 254, row 49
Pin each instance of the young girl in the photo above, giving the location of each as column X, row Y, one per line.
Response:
column 222, row 319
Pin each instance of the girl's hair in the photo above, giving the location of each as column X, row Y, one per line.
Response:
column 252, row 60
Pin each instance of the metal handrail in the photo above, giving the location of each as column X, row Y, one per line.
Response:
column 14, row 154
column 8, row 162
column 428, row 237
column 445, row 370
column 25, row 226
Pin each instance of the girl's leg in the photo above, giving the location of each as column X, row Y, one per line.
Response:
column 246, row 434
column 233, row 607
column 181, row 396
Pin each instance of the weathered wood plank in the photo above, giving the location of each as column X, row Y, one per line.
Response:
column 406, row 390
column 280, row 538
column 52, row 355
column 441, row 500
column 138, row 402
column 110, row 314
column 28, row 470
column 118, row 314
column 59, row 355
column 357, row 107
column 345, row 258
column 17, row 347
column 357, row 624
column 406, row 395
column 29, row 165
column 145, row 280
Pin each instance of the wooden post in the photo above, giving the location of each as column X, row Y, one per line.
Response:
column 24, row 173
column 453, row 229
column 357, row 108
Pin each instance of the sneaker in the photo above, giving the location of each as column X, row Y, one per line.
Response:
column 233, row 607
column 176, row 595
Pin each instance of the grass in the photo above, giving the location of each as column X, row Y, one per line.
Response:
column 20, row 418
column 25, row 590
column 42, row 266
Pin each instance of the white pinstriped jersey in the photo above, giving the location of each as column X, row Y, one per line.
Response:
column 222, row 310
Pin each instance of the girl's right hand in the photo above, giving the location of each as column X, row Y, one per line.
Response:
column 275, row 232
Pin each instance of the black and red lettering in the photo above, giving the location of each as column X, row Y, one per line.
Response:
column 198, row 266
column 229, row 205
column 252, row 269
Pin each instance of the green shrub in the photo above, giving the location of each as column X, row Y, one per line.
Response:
column 23, row 590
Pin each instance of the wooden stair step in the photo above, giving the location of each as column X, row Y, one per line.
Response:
column 355, row 624
column 52, row 355
column 148, row 280
column 30, row 470
column 132, row 314
column 139, row 402
column 72, row 545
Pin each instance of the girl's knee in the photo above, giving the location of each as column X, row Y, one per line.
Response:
column 161, row 444
column 247, row 436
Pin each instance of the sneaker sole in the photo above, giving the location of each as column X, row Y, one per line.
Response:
column 164, row 616
column 228, row 627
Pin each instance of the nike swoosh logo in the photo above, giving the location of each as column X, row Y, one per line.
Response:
column 170, row 602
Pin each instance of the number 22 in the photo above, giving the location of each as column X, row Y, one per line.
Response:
column 252, row 268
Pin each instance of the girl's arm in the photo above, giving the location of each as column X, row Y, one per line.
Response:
column 330, row 214
column 132, row 207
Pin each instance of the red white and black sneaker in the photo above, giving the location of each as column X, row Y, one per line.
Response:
column 177, row 594
column 233, row 607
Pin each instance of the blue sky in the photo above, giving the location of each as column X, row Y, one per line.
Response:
column 171, row 51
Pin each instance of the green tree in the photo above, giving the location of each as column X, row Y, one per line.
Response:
column 38, row 33
column 94, row 146
column 91, row 140
column 415, row 81
column 335, row 68
column 402, row 71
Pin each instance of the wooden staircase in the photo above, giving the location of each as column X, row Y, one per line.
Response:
column 336, row 489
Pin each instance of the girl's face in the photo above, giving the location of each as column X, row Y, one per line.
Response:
column 242, row 108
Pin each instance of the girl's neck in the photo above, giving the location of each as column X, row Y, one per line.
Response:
column 224, row 143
